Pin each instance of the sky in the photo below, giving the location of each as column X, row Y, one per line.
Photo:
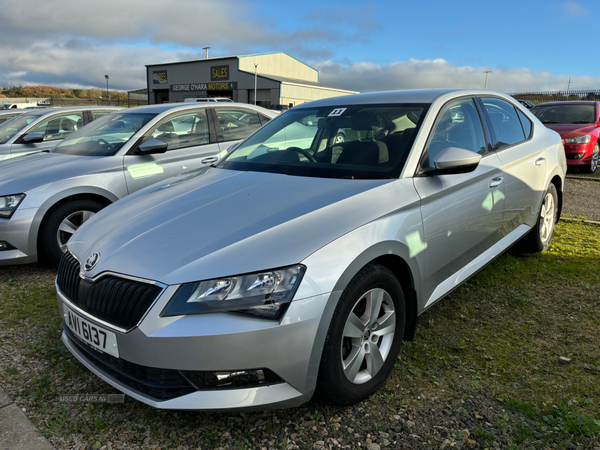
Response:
column 527, row 45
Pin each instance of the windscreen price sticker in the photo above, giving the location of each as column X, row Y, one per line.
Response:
column 337, row 112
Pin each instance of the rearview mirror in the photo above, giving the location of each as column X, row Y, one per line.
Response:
column 33, row 138
column 454, row 160
column 153, row 146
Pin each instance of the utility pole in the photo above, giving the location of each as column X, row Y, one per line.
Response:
column 568, row 87
column 206, row 50
column 107, row 93
column 255, row 69
column 486, row 76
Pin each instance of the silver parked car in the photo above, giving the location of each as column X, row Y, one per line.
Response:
column 41, row 129
column 45, row 197
column 285, row 268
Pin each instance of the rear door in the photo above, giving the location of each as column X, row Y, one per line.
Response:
column 189, row 143
column 524, row 163
column 462, row 213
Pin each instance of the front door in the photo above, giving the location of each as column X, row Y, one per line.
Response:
column 462, row 213
column 188, row 138
column 54, row 129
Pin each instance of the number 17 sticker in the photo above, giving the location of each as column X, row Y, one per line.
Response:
column 337, row 112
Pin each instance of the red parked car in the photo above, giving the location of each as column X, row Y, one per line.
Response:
column 579, row 127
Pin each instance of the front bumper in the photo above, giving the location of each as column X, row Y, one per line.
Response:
column 223, row 342
column 17, row 231
column 579, row 154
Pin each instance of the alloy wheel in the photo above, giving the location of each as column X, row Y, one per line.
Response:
column 69, row 225
column 547, row 218
column 368, row 336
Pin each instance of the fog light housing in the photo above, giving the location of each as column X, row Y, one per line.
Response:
column 6, row 246
column 240, row 379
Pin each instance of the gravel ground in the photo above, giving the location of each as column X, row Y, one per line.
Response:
column 582, row 199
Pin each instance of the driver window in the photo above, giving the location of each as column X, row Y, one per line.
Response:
column 459, row 126
column 182, row 130
column 59, row 127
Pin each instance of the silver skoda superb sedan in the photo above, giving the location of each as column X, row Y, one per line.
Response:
column 298, row 262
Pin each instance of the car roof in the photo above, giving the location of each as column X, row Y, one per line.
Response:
column 162, row 107
column 407, row 96
column 570, row 102
column 43, row 111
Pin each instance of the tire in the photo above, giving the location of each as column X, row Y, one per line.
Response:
column 595, row 157
column 362, row 344
column 539, row 238
column 60, row 224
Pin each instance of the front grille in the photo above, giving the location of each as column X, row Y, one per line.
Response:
column 115, row 300
column 160, row 384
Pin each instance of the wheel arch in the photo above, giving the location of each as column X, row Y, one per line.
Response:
column 395, row 256
column 44, row 211
column 558, row 183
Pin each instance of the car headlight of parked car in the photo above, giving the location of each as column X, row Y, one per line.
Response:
column 9, row 204
column 263, row 294
column 578, row 140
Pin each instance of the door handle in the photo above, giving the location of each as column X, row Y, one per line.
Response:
column 209, row 160
column 496, row 182
column 540, row 161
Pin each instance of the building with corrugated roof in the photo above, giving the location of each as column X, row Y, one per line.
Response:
column 265, row 79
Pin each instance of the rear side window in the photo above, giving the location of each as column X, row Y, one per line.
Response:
column 237, row 123
column 459, row 126
column 98, row 114
column 505, row 122
column 526, row 124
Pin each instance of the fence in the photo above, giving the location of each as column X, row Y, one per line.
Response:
column 29, row 101
column 94, row 101
column 558, row 96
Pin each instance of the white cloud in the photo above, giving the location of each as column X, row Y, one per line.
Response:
column 439, row 73
column 576, row 9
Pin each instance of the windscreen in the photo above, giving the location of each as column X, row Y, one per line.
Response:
column 104, row 136
column 11, row 127
column 566, row 114
column 357, row 141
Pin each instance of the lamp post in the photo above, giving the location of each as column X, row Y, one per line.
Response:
column 486, row 75
column 107, row 93
column 255, row 69
column 206, row 50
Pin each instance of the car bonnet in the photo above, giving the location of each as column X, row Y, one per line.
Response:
column 227, row 222
column 23, row 173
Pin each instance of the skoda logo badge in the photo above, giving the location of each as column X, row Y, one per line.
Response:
column 91, row 262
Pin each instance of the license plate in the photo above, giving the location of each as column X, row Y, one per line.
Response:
column 97, row 337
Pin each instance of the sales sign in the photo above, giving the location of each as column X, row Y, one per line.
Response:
column 219, row 73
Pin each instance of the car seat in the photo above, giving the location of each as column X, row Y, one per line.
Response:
column 167, row 134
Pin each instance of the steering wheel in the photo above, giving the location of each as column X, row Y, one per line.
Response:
column 303, row 152
column 107, row 144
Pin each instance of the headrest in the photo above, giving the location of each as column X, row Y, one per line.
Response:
column 365, row 120
column 166, row 127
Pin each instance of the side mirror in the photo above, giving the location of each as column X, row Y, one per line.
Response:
column 153, row 146
column 33, row 138
column 453, row 160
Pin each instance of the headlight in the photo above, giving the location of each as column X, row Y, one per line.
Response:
column 9, row 204
column 578, row 140
column 263, row 294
